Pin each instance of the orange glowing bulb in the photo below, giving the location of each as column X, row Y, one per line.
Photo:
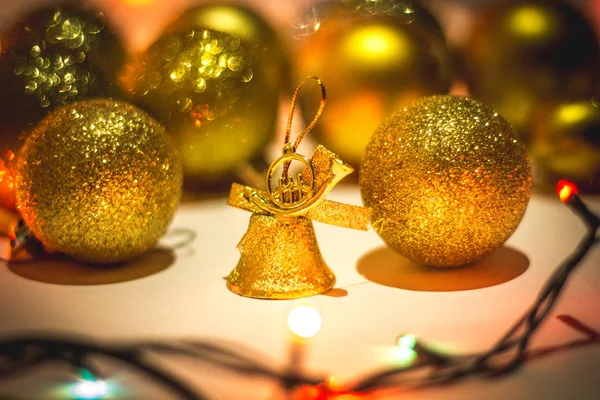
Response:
column 565, row 190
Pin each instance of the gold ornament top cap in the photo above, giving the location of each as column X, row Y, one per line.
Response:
column 289, row 196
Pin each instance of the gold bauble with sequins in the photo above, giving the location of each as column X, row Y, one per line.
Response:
column 98, row 180
column 375, row 57
column 213, row 79
column 52, row 57
column 448, row 180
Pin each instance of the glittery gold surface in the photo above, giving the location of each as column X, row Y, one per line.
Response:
column 342, row 215
column 99, row 180
column 448, row 180
column 327, row 211
column 239, row 199
column 280, row 257
column 52, row 57
column 215, row 92
column 280, row 260
column 321, row 162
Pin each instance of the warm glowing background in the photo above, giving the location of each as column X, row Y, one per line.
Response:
column 142, row 20
column 365, row 314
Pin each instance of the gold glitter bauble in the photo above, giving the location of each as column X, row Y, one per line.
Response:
column 214, row 80
column 99, row 180
column 448, row 180
column 50, row 58
column 374, row 60
column 524, row 52
column 566, row 144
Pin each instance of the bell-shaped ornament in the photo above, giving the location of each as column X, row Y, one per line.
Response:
column 280, row 257
column 280, row 260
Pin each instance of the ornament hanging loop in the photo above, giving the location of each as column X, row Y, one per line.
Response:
column 288, row 129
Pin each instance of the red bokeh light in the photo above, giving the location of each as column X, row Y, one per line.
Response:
column 566, row 190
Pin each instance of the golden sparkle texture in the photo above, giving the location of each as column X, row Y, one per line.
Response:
column 280, row 260
column 99, row 180
column 280, row 256
column 61, row 54
column 52, row 57
column 216, row 93
column 326, row 211
column 448, row 180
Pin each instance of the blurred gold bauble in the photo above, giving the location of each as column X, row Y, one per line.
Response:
column 521, row 53
column 249, row 27
column 50, row 58
column 448, row 180
column 98, row 180
column 566, row 144
column 214, row 80
column 374, row 60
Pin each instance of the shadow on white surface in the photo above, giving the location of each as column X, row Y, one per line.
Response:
column 591, row 337
column 386, row 267
column 335, row 292
column 62, row 270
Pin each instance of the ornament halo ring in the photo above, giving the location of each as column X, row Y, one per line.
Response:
column 285, row 159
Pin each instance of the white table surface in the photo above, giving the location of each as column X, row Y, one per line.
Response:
column 188, row 299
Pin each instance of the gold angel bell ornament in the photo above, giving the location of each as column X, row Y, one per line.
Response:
column 280, row 257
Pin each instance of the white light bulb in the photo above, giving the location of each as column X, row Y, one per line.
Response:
column 90, row 390
column 304, row 321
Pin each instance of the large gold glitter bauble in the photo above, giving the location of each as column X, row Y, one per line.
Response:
column 566, row 144
column 374, row 60
column 50, row 58
column 448, row 180
column 522, row 53
column 99, row 180
column 213, row 79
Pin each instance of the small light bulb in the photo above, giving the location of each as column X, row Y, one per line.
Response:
column 304, row 321
column 565, row 190
column 91, row 390
column 407, row 341
column 404, row 355
column 405, row 352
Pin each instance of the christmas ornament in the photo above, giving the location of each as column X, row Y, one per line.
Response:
column 98, row 180
column 448, row 180
column 214, row 80
column 52, row 57
column 566, row 143
column 250, row 28
column 523, row 52
column 280, row 257
column 375, row 59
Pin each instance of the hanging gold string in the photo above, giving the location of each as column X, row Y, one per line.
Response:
column 288, row 129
